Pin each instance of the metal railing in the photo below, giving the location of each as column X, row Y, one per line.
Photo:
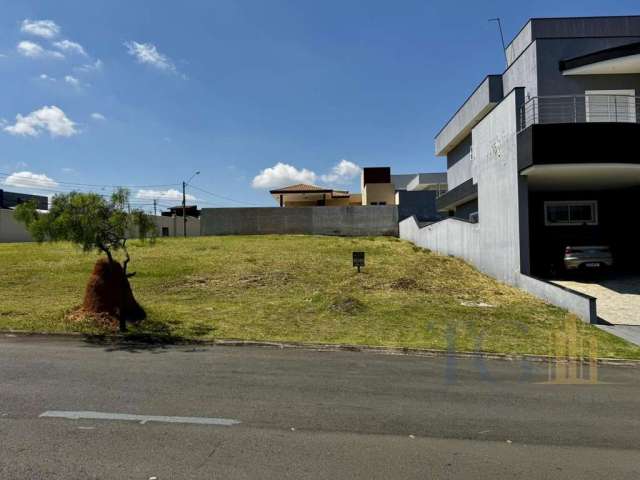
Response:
column 579, row 109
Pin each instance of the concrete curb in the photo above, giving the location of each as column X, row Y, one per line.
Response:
column 317, row 347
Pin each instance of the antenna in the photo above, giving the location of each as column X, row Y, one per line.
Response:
column 504, row 48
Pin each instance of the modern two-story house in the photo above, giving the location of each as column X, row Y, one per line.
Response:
column 542, row 156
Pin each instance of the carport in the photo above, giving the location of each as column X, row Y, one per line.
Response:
column 582, row 205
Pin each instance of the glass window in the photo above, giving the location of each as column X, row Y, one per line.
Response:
column 571, row 213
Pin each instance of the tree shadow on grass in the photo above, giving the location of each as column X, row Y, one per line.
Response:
column 155, row 337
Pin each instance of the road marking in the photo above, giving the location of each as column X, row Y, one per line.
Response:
column 142, row 419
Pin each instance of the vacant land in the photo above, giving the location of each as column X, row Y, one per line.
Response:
column 294, row 288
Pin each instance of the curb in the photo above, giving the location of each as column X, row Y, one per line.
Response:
column 317, row 347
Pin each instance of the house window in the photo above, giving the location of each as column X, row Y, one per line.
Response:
column 610, row 105
column 165, row 231
column 571, row 213
column 382, row 203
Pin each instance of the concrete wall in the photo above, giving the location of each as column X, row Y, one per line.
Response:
column 459, row 163
column 495, row 155
column 463, row 240
column 421, row 203
column 175, row 226
column 10, row 230
column 481, row 101
column 347, row 221
column 523, row 72
column 552, row 82
column 577, row 303
column 447, row 237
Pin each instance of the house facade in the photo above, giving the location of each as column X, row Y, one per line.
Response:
column 540, row 157
column 414, row 194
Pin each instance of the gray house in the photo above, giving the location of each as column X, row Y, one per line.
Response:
column 541, row 156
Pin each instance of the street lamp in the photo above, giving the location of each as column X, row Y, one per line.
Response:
column 184, row 203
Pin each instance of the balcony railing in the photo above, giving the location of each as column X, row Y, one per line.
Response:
column 579, row 109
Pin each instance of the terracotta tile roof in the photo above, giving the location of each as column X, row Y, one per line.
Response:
column 302, row 188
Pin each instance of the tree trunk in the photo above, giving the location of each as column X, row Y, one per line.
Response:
column 109, row 291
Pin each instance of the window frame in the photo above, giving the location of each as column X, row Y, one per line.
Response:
column 571, row 203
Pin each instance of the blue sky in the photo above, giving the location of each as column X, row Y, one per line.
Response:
column 145, row 93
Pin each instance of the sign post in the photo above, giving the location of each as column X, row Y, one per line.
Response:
column 358, row 260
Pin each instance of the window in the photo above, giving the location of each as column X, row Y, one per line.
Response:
column 165, row 231
column 610, row 105
column 571, row 213
column 382, row 203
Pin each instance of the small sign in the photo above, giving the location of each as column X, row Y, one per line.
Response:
column 358, row 260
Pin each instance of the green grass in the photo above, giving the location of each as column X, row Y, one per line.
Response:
column 294, row 288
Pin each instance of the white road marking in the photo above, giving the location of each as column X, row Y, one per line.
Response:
column 226, row 422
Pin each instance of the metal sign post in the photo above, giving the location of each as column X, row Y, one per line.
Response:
column 358, row 260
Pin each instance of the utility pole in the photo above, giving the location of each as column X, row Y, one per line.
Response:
column 154, row 207
column 184, row 203
column 184, row 209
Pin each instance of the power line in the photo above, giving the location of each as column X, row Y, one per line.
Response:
column 221, row 196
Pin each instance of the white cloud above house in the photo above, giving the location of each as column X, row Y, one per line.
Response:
column 68, row 46
column 148, row 54
column 98, row 117
column 343, row 173
column 283, row 174
column 44, row 76
column 30, row 49
column 30, row 180
column 50, row 119
column 40, row 28
column 171, row 194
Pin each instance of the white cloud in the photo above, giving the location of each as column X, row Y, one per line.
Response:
column 30, row 180
column 98, row 116
column 90, row 67
column 171, row 194
column 70, row 47
column 51, row 119
column 68, row 170
column 33, row 50
column 342, row 173
column 282, row 174
column 73, row 81
column 44, row 76
column 147, row 53
column 40, row 28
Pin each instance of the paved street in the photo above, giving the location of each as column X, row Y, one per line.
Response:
column 110, row 412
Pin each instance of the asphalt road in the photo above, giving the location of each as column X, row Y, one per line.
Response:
column 306, row 414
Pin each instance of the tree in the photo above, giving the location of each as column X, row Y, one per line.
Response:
column 95, row 223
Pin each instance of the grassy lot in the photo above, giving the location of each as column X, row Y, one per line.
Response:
column 294, row 288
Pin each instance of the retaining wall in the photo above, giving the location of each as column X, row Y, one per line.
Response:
column 347, row 221
column 462, row 239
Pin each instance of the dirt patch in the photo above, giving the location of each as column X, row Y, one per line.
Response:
column 272, row 279
column 102, row 320
column 265, row 279
column 404, row 283
column 349, row 305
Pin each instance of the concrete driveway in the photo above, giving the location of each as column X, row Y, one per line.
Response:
column 618, row 297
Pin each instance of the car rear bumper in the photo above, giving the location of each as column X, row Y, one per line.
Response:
column 577, row 263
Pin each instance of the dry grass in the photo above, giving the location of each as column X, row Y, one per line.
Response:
column 293, row 288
